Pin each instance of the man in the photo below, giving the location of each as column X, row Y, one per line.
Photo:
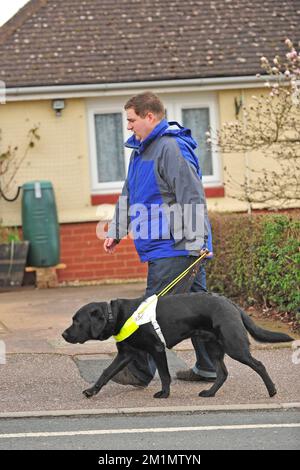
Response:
column 161, row 202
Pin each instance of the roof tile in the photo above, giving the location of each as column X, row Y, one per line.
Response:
column 50, row 42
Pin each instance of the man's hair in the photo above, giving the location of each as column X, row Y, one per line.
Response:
column 146, row 102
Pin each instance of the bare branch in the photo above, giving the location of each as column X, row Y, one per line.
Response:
column 270, row 126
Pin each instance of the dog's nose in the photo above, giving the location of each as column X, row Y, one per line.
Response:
column 65, row 334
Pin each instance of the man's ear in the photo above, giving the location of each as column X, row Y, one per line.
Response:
column 152, row 118
column 98, row 323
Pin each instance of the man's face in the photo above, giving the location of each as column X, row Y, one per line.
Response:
column 140, row 126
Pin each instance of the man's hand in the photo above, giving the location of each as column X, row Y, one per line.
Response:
column 109, row 245
column 208, row 253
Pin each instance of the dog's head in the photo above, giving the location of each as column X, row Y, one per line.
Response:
column 90, row 322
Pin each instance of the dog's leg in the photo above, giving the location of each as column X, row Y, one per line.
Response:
column 120, row 361
column 258, row 367
column 150, row 342
column 216, row 354
column 160, row 359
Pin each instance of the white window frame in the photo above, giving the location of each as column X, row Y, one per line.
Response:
column 110, row 187
column 194, row 101
column 174, row 103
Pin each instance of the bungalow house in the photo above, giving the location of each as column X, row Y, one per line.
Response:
column 69, row 66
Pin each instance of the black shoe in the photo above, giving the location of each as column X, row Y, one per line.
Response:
column 125, row 377
column 190, row 376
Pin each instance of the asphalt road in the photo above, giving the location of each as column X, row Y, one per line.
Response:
column 272, row 430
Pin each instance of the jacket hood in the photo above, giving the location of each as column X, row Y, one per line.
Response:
column 184, row 138
column 175, row 129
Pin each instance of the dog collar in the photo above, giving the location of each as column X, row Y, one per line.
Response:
column 110, row 314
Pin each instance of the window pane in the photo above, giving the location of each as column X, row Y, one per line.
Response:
column 109, row 146
column 198, row 121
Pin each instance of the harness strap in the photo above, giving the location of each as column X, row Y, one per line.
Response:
column 136, row 319
column 129, row 327
column 181, row 276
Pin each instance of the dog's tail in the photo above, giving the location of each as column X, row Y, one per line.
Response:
column 262, row 335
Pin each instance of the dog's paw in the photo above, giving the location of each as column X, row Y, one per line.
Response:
column 206, row 393
column 161, row 394
column 272, row 392
column 89, row 392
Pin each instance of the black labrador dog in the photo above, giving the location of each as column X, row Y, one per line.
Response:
column 214, row 318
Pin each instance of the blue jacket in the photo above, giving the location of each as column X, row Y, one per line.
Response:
column 163, row 185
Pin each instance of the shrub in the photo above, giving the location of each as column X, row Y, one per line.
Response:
column 9, row 234
column 257, row 259
column 278, row 263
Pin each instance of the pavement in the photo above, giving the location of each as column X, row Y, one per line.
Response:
column 42, row 375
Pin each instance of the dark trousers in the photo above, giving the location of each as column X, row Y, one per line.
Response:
column 160, row 273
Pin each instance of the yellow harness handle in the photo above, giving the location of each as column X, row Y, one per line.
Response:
column 181, row 276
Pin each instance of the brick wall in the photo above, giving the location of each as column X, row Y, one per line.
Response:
column 86, row 259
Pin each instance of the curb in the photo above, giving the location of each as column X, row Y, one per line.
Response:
column 59, row 352
column 149, row 410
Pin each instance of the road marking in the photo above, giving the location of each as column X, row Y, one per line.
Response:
column 95, row 432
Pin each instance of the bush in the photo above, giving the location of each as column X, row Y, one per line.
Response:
column 9, row 234
column 257, row 259
column 278, row 263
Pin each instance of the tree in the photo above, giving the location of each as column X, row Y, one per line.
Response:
column 11, row 161
column 270, row 126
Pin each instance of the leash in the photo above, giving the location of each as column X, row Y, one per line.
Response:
column 182, row 275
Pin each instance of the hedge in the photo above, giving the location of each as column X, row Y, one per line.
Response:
column 257, row 259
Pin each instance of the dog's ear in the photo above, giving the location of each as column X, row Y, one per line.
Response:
column 116, row 306
column 98, row 323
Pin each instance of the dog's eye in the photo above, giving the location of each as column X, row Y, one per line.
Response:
column 77, row 324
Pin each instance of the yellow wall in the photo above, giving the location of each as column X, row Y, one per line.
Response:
column 62, row 156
